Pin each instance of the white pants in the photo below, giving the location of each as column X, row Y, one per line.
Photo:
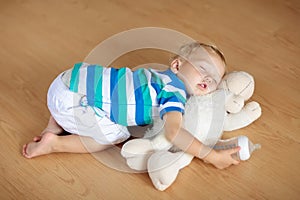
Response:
column 66, row 108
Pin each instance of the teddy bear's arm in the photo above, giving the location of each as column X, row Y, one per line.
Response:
column 250, row 113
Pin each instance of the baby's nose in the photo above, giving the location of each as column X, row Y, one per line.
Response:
column 208, row 80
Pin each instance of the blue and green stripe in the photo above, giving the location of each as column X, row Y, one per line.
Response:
column 74, row 81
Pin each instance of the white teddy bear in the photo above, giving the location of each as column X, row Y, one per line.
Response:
column 206, row 117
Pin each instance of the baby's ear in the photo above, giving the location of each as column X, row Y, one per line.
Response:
column 175, row 65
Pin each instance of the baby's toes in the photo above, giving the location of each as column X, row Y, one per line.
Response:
column 24, row 150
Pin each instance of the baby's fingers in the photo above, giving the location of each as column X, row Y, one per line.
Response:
column 234, row 151
column 235, row 162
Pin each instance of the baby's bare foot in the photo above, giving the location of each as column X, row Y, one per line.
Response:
column 40, row 147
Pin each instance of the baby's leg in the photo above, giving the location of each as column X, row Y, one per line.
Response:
column 52, row 127
column 52, row 143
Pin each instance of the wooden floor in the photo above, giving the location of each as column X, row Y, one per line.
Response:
column 39, row 39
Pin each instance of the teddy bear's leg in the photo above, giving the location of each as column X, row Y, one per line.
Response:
column 164, row 166
column 136, row 152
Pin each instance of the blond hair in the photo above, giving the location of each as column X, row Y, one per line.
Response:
column 187, row 49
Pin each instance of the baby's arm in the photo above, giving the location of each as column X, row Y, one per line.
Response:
column 184, row 140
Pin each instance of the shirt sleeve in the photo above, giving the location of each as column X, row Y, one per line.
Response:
column 171, row 99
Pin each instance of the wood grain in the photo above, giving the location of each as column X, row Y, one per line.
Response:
column 40, row 39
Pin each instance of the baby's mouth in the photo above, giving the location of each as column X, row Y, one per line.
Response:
column 202, row 86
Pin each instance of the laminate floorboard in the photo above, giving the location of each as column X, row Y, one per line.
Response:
column 40, row 39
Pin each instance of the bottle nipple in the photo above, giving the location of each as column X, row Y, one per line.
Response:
column 253, row 147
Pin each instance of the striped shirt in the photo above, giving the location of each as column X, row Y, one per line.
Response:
column 129, row 97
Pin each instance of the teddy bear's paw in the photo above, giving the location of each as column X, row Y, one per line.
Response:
column 164, row 166
column 138, row 163
column 159, row 184
column 253, row 110
column 163, row 169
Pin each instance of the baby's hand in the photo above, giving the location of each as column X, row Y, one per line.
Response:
column 222, row 159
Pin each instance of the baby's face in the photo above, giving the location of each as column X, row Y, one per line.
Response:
column 201, row 75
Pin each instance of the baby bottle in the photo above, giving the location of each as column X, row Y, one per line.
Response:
column 247, row 147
